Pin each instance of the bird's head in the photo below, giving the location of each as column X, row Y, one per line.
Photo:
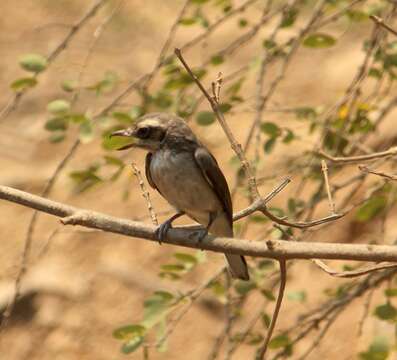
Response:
column 155, row 129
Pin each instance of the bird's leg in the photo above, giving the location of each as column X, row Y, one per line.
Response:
column 161, row 231
column 203, row 233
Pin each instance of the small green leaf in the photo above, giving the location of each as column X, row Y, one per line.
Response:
column 299, row 296
column 23, row 84
column 244, row 287
column 57, row 137
column 269, row 145
column 33, row 62
column 128, row 331
column 268, row 294
column 225, row 107
column 217, row 60
column 319, row 40
column 59, row 107
column 242, row 22
column 86, row 133
column 186, row 258
column 172, row 267
column 288, row 137
column 391, row 292
column 205, row 118
column 378, row 350
column 270, row 129
column 289, row 17
column 371, row 208
column 132, row 345
column 123, row 117
column 55, row 124
column 279, row 342
column 188, row 21
column 386, row 312
column 69, row 85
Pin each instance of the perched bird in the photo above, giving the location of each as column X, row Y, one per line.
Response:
column 187, row 175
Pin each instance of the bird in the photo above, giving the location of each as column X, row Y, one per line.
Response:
column 187, row 175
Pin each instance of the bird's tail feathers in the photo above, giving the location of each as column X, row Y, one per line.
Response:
column 238, row 266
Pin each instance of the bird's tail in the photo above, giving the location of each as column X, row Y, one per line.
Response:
column 237, row 264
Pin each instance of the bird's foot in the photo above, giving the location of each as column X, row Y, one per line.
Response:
column 161, row 231
column 199, row 235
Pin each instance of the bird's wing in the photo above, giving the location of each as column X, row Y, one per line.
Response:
column 214, row 176
column 147, row 171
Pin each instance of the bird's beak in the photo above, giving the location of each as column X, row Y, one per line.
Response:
column 124, row 133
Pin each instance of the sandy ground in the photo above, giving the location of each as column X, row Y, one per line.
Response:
column 87, row 284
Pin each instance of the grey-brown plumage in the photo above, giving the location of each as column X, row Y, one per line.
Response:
column 187, row 175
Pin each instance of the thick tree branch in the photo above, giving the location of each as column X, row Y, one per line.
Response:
column 275, row 249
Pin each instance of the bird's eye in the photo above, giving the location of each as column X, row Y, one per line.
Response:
column 143, row 132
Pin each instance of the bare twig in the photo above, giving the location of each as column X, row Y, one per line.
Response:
column 380, row 22
column 378, row 173
column 283, row 280
column 145, row 193
column 352, row 273
column 324, row 169
column 353, row 159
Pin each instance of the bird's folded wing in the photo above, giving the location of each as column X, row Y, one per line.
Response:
column 213, row 174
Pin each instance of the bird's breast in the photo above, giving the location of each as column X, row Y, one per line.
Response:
column 180, row 181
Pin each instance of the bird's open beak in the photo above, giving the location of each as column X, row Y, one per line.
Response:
column 124, row 133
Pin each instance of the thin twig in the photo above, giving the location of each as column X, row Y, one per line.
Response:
column 145, row 193
column 378, row 173
column 380, row 22
column 352, row 273
column 353, row 159
column 331, row 203
column 283, row 280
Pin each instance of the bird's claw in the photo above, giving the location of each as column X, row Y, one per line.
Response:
column 200, row 235
column 161, row 231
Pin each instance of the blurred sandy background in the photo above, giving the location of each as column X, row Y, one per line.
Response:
column 87, row 284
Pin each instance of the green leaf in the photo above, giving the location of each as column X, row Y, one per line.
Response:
column 129, row 331
column 270, row 129
column 289, row 17
column 386, row 312
column 55, row 124
column 69, row 85
column 59, row 107
column 269, row 145
column 86, row 132
column 57, row 137
column 23, row 84
column 244, row 287
column 217, row 60
column 132, row 345
column 265, row 320
column 85, row 179
column 173, row 267
column 258, row 218
column 279, row 342
column 123, row 117
column 225, row 107
column 163, row 99
column 299, row 296
column 33, row 62
column 186, row 258
column 136, row 111
column 156, row 308
column 188, row 21
column 242, row 22
column 205, row 118
column 378, row 350
column 114, row 142
column 268, row 294
column 319, row 40
column 391, row 292
column 371, row 208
